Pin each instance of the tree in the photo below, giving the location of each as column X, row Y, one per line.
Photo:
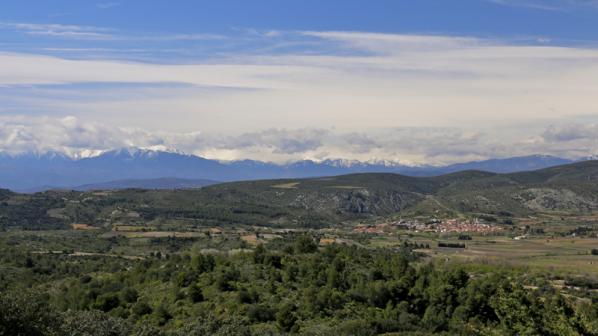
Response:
column 285, row 318
column 259, row 254
column 142, row 308
column 195, row 293
column 305, row 244
column 162, row 314
column 107, row 302
column 203, row 263
column 129, row 295
column 27, row 314
column 260, row 313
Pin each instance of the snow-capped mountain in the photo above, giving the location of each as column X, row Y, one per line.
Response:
column 38, row 171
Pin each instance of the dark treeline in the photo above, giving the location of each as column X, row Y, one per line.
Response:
column 285, row 287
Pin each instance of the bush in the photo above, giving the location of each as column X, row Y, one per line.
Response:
column 195, row 294
column 305, row 244
column 451, row 245
column 93, row 323
column 162, row 314
column 261, row 313
column 27, row 314
column 209, row 325
column 285, row 318
column 106, row 302
column 129, row 295
column 141, row 308
column 224, row 279
column 488, row 218
column 356, row 328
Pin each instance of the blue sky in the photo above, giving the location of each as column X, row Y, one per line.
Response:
column 412, row 81
column 563, row 22
column 567, row 19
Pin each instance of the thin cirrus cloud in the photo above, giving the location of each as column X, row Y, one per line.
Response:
column 76, row 32
column 541, row 5
column 107, row 5
column 548, row 5
column 356, row 95
column 59, row 30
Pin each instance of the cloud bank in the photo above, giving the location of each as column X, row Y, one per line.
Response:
column 309, row 94
column 405, row 145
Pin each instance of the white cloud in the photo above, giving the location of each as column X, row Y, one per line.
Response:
column 396, row 43
column 50, row 26
column 60, row 30
column 406, row 145
column 99, row 33
column 72, row 34
column 571, row 132
column 441, row 95
column 175, row 37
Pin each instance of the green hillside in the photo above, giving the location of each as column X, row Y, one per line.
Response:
column 316, row 202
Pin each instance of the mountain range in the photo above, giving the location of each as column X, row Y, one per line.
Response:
column 150, row 169
column 557, row 192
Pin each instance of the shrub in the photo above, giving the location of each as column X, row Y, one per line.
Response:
column 141, row 308
column 260, row 313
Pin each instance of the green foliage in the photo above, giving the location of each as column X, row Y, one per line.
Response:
column 27, row 314
column 260, row 313
column 142, row 308
column 314, row 203
column 195, row 294
column 285, row 318
column 305, row 244
column 210, row 325
column 226, row 278
column 107, row 302
column 203, row 263
column 162, row 314
column 93, row 323
column 287, row 286
column 129, row 295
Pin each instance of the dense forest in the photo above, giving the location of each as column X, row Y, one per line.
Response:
column 288, row 286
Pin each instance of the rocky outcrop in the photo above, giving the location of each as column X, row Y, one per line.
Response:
column 542, row 199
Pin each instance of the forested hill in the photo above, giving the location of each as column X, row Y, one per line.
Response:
column 320, row 202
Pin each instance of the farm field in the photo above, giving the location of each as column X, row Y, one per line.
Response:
column 554, row 248
column 564, row 255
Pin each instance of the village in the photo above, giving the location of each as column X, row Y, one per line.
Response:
column 454, row 225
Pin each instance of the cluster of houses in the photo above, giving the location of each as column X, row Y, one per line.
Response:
column 434, row 225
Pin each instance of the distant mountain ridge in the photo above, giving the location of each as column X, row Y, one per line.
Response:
column 150, row 184
column 32, row 171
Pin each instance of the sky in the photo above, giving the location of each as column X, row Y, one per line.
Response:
column 414, row 82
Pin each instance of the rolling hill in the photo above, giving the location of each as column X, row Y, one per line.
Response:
column 317, row 202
